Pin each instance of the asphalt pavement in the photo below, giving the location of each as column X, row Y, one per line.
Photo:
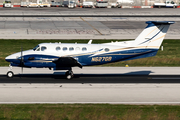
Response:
column 86, row 12
column 116, row 85
column 79, row 27
column 81, row 23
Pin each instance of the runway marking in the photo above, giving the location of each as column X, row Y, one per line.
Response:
column 166, row 78
column 92, row 26
column 152, row 103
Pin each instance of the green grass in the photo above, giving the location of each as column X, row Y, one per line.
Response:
column 169, row 57
column 88, row 112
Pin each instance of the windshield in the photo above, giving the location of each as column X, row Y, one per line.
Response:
column 36, row 47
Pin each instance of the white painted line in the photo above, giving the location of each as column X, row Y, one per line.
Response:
column 90, row 103
column 166, row 78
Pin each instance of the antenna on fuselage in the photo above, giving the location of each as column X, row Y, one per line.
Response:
column 90, row 41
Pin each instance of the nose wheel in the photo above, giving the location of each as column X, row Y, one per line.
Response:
column 10, row 74
column 69, row 74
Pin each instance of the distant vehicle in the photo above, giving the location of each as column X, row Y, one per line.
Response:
column 114, row 5
column 121, row 2
column 72, row 4
column 65, row 3
column 56, row 4
column 61, row 56
column 39, row 4
column 88, row 4
column 7, row 3
column 101, row 4
column 24, row 4
column 34, row 5
column 166, row 4
column 69, row 4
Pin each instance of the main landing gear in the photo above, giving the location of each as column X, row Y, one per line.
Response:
column 69, row 74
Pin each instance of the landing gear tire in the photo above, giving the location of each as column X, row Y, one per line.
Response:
column 10, row 74
column 69, row 75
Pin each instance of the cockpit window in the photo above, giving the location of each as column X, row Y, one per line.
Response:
column 58, row 48
column 35, row 49
column 38, row 49
column 43, row 48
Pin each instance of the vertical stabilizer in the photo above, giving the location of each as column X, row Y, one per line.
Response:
column 153, row 35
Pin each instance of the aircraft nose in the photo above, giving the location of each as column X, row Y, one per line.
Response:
column 13, row 58
column 8, row 58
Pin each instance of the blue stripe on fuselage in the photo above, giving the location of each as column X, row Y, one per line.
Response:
column 86, row 60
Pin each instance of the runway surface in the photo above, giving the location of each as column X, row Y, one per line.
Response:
column 90, row 78
column 50, row 23
column 58, row 11
column 133, row 85
column 94, row 75
column 79, row 27
column 119, row 85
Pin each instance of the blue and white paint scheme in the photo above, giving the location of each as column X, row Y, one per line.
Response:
column 63, row 56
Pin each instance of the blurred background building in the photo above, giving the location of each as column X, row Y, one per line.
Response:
column 80, row 2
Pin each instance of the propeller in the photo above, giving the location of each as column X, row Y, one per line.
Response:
column 22, row 60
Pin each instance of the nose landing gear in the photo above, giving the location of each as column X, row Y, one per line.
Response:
column 10, row 74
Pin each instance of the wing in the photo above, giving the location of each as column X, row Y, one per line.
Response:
column 67, row 62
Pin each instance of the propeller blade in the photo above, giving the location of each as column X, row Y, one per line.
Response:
column 22, row 62
column 21, row 70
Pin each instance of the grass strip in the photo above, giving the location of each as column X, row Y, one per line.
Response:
column 170, row 56
column 88, row 112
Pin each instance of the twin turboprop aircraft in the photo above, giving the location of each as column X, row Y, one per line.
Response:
column 62, row 56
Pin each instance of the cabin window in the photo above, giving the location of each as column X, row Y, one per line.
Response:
column 77, row 48
column 43, row 48
column 71, row 49
column 64, row 48
column 84, row 49
column 106, row 49
column 58, row 48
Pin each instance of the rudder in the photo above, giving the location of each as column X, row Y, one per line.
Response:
column 153, row 35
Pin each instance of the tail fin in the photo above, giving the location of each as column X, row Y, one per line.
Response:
column 153, row 35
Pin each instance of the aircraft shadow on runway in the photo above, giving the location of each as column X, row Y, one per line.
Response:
column 59, row 77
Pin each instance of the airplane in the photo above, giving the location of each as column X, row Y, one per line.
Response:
column 64, row 56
